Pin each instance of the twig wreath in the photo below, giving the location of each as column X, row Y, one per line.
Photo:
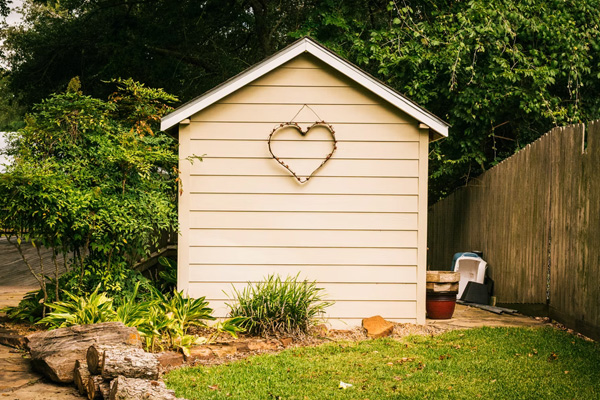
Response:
column 297, row 127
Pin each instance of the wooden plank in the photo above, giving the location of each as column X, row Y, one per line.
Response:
column 401, row 310
column 302, row 255
column 302, row 77
column 299, row 95
column 331, row 291
column 321, row 273
column 303, row 202
column 277, row 113
column 343, row 131
column 305, row 61
column 335, row 167
column 307, row 150
column 302, row 220
column 288, row 184
column 282, row 238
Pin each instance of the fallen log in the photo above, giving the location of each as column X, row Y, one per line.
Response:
column 130, row 363
column 81, row 374
column 53, row 353
column 95, row 356
column 97, row 388
column 123, row 388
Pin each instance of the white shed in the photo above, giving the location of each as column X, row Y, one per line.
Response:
column 357, row 227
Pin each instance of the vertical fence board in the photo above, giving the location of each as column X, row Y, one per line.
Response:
column 536, row 211
column 503, row 213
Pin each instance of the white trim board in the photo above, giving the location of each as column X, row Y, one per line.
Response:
column 305, row 45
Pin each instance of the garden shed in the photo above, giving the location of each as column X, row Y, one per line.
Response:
column 310, row 166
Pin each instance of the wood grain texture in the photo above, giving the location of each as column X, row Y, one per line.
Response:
column 288, row 238
column 536, row 217
column 306, row 149
column 321, row 273
column 229, row 130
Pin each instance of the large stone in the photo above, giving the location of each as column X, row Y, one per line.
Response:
column 199, row 353
column 53, row 353
column 169, row 360
column 377, row 327
column 223, row 351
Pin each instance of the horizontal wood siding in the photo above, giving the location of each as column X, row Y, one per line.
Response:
column 353, row 227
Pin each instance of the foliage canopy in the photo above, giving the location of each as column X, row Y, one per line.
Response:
column 93, row 180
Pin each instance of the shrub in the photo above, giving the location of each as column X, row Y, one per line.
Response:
column 278, row 306
column 80, row 310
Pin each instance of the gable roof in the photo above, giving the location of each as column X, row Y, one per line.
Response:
column 306, row 45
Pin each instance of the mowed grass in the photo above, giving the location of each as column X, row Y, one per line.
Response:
column 490, row 363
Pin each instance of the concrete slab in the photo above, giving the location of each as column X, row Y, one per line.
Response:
column 465, row 317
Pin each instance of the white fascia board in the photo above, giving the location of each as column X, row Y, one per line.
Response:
column 376, row 87
column 306, row 45
column 245, row 78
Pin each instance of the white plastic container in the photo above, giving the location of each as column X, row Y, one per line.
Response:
column 471, row 269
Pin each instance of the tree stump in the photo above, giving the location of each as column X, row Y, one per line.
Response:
column 54, row 353
column 123, row 388
column 97, row 388
column 81, row 374
column 130, row 363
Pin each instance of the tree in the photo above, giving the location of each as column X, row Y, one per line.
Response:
column 93, row 179
column 186, row 47
column 501, row 72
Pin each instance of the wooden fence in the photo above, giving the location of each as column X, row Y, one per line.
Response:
column 536, row 217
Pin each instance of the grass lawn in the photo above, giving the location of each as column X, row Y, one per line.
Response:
column 497, row 363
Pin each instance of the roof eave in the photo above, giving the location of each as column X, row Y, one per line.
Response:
column 328, row 57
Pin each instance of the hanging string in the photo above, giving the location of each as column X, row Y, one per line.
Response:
column 310, row 108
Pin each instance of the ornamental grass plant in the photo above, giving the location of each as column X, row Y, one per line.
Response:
column 275, row 306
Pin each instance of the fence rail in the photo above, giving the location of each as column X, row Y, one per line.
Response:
column 536, row 217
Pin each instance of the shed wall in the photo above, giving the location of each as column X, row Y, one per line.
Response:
column 357, row 227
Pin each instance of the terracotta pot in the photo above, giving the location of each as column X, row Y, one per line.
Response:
column 440, row 305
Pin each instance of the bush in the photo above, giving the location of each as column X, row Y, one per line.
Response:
column 278, row 306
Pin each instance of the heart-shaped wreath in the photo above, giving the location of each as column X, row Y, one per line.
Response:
column 297, row 127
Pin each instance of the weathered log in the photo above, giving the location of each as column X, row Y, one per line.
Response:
column 123, row 388
column 81, row 374
column 54, row 353
column 95, row 356
column 130, row 363
column 97, row 388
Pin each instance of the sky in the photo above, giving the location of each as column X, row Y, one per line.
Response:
column 14, row 17
column 2, row 144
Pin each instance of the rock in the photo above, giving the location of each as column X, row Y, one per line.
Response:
column 123, row 388
column 199, row 353
column 377, row 327
column 223, row 351
column 169, row 360
column 257, row 345
column 53, row 353
column 286, row 341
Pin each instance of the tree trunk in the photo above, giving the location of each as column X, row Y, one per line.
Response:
column 54, row 353
column 134, row 389
column 97, row 388
column 130, row 363
column 81, row 375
